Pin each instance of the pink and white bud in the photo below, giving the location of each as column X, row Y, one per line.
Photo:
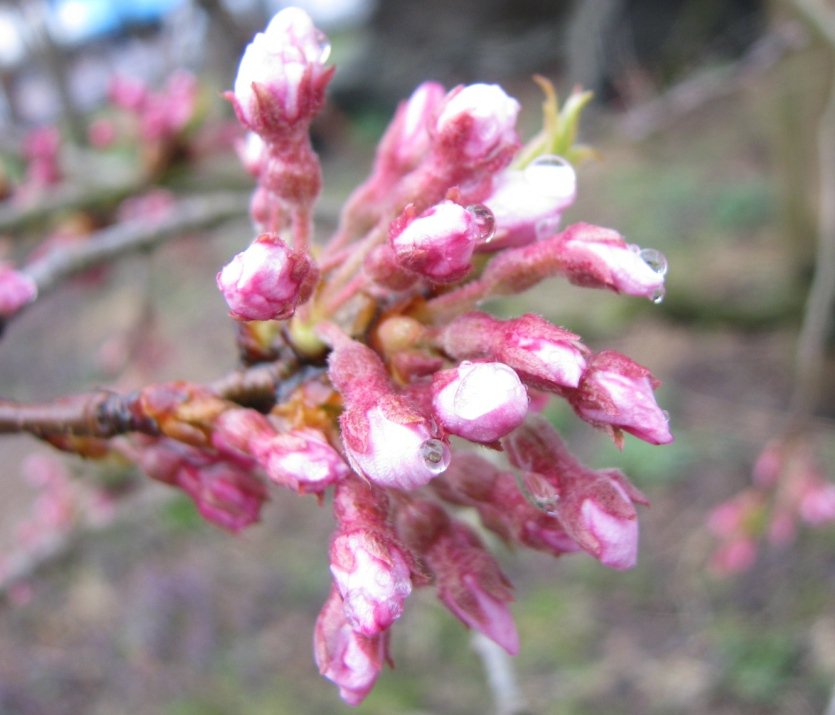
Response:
column 406, row 140
column 599, row 515
column 473, row 481
column 527, row 204
column 373, row 577
column 387, row 438
column 251, row 151
column 595, row 507
column 469, row 581
column 267, row 281
column 476, row 127
column 543, row 355
column 600, row 258
column 382, row 267
column 393, row 444
column 282, row 77
column 302, row 460
column 479, row 401
column 617, row 393
column 225, row 494
column 438, row 244
column 16, row 290
column 349, row 659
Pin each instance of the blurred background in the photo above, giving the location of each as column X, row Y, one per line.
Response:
column 711, row 127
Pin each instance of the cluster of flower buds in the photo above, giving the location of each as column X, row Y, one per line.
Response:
column 395, row 369
column 788, row 487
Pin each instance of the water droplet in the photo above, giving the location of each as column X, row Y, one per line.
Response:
column 485, row 222
column 635, row 248
column 538, row 492
column 656, row 260
column 547, row 227
column 552, row 176
column 324, row 46
column 658, row 296
column 666, row 415
column 435, row 455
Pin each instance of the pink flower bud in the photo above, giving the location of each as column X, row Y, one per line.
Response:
column 617, row 393
column 438, row 244
column 251, row 152
column 598, row 514
column 595, row 507
column 543, row 355
column 527, row 204
column 479, row 401
column 734, row 556
column 373, row 578
column 387, row 438
column 392, row 444
column 301, row 459
column 349, row 659
column 817, row 503
column 406, row 140
column 600, row 258
column 225, row 494
column 16, row 290
column 476, row 126
column 282, row 77
column 382, row 267
column 469, row 580
column 267, row 281
column 473, row 481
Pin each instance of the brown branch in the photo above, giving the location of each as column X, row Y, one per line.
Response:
column 103, row 414
column 188, row 215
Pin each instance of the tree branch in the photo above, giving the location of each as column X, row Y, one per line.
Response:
column 818, row 318
column 103, row 414
column 188, row 215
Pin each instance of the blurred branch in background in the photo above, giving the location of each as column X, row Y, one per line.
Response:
column 817, row 322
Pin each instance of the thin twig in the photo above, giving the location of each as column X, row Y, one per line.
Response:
column 501, row 676
column 709, row 85
column 188, row 215
column 818, row 317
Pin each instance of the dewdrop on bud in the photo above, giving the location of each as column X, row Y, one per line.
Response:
column 551, row 176
column 484, row 222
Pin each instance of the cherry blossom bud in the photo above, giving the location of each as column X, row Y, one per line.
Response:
column 370, row 569
column 479, row 401
column 301, row 459
column 386, row 437
column 16, row 290
column 349, row 659
column 527, row 204
column 600, row 258
column 438, row 244
column 476, row 127
column 468, row 579
column 251, row 152
column 267, row 281
column 543, row 355
column 617, row 393
column 599, row 515
column 406, row 140
column 225, row 494
column 473, row 481
column 734, row 556
column 282, row 77
column 382, row 267
column 595, row 507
